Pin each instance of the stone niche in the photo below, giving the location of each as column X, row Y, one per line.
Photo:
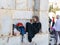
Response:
column 8, row 17
column 22, row 16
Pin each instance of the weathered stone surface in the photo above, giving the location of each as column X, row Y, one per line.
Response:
column 44, row 20
column 21, row 4
column 5, row 21
column 22, row 14
column 7, row 4
column 39, row 39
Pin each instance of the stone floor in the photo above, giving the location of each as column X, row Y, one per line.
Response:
column 39, row 39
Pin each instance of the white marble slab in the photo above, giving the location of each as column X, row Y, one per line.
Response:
column 42, row 39
column 7, row 4
column 37, row 4
column 39, row 39
column 3, row 41
column 44, row 4
column 44, row 21
column 21, row 4
column 22, row 14
column 14, row 40
column 5, row 21
column 6, row 24
column 30, row 4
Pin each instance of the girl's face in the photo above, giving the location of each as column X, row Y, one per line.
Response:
column 34, row 20
column 31, row 20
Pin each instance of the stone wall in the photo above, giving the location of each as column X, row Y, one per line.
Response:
column 11, row 10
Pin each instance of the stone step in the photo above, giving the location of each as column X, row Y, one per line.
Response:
column 16, row 40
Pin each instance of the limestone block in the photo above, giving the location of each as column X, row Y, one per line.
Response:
column 44, row 4
column 41, row 39
column 6, row 22
column 30, row 4
column 7, row 4
column 25, row 38
column 21, row 4
column 37, row 4
column 22, row 14
column 44, row 20
column 14, row 40
column 3, row 41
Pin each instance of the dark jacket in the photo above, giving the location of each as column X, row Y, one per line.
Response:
column 35, row 27
column 32, row 29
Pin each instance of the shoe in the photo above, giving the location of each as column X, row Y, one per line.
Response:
column 59, row 44
column 49, row 43
column 55, row 44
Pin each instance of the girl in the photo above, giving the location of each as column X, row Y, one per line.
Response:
column 33, row 27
